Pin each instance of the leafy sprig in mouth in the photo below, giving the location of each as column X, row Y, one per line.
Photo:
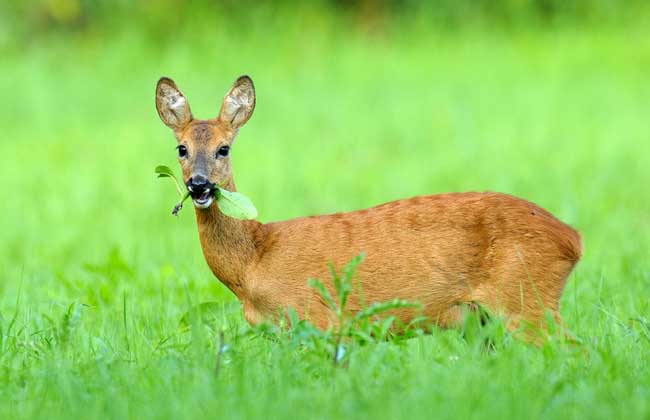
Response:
column 231, row 203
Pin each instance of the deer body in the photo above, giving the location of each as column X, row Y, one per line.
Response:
column 443, row 251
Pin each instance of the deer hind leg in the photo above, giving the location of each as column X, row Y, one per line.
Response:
column 528, row 300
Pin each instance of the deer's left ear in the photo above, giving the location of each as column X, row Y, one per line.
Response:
column 239, row 103
column 172, row 105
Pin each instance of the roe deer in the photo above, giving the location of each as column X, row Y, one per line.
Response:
column 445, row 251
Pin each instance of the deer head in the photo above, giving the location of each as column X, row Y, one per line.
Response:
column 204, row 145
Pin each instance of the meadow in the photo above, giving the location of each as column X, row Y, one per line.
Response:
column 98, row 279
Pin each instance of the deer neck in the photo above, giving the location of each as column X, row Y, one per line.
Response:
column 229, row 245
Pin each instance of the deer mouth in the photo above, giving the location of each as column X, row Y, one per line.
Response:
column 202, row 199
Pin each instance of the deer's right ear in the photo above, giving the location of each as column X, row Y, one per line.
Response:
column 172, row 106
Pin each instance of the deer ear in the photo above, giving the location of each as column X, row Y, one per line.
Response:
column 239, row 103
column 172, row 105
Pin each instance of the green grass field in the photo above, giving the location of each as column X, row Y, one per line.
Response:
column 96, row 275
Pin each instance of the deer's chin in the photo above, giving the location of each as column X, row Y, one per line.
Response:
column 204, row 200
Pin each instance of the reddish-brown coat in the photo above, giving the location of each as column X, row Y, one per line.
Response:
column 443, row 250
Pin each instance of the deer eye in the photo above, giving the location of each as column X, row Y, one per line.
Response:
column 182, row 151
column 223, row 151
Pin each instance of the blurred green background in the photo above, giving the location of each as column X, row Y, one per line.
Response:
column 358, row 103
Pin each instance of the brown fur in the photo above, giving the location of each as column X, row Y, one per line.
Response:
column 443, row 250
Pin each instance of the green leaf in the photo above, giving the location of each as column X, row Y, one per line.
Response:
column 325, row 294
column 378, row 308
column 344, row 284
column 235, row 205
column 166, row 172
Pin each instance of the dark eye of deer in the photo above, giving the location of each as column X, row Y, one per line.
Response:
column 223, row 151
column 182, row 151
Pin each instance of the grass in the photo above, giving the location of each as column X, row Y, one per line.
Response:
column 98, row 278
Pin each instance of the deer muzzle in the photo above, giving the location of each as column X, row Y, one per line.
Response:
column 201, row 190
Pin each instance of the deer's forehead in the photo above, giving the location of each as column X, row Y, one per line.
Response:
column 204, row 133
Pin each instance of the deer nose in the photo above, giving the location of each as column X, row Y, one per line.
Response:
column 198, row 183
